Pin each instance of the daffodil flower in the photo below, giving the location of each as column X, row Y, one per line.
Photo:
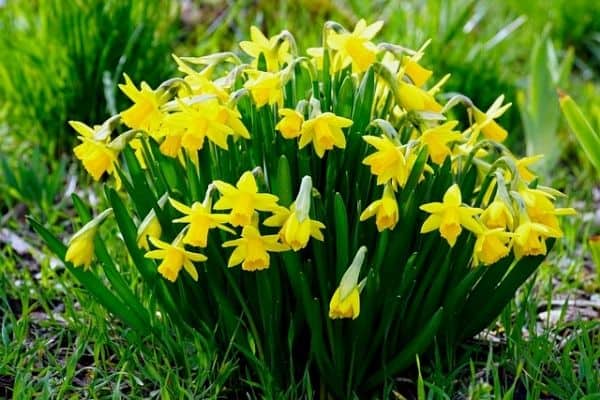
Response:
column 523, row 167
column 356, row 47
column 96, row 153
column 450, row 216
column 290, row 125
column 252, row 249
column 486, row 121
column 145, row 113
column 243, row 199
column 150, row 226
column 325, row 132
column 171, row 144
column 200, row 82
column 491, row 245
column 540, row 208
column 174, row 257
column 498, row 215
column 80, row 251
column 530, row 238
column 192, row 124
column 413, row 98
column 265, row 87
column 345, row 302
column 417, row 74
column 200, row 220
column 388, row 162
column 385, row 210
column 97, row 157
column 296, row 225
column 437, row 140
column 275, row 50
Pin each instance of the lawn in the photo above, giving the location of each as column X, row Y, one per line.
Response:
column 64, row 61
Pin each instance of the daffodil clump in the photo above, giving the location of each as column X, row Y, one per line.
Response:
column 331, row 209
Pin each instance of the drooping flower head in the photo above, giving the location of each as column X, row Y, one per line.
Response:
column 324, row 131
column 345, row 302
column 486, row 121
column 81, row 245
column 438, row 139
column 491, row 245
column 174, row 257
column 385, row 210
column 296, row 225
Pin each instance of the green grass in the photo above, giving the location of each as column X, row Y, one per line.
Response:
column 63, row 60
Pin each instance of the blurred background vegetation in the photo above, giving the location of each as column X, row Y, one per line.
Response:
column 62, row 59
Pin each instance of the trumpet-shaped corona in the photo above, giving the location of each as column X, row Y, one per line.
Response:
column 385, row 210
column 252, row 249
column 450, row 216
column 174, row 257
column 243, row 199
column 325, row 132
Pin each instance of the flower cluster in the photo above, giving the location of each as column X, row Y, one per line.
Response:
column 185, row 115
column 344, row 185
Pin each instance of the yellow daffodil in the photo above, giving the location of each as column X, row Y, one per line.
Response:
column 200, row 82
column 530, row 238
column 316, row 55
column 486, row 121
column 97, row 157
column 356, row 47
column 171, row 144
column 290, row 125
column 345, row 302
column 385, row 210
column 413, row 98
column 252, row 249
column 325, row 132
column 296, row 226
column 243, row 199
column 388, row 162
column 275, row 50
column 540, row 208
column 265, row 88
column 523, row 167
column 150, row 227
column 174, row 257
column 491, row 245
column 145, row 113
column 450, row 216
column 80, row 251
column 498, row 215
column 97, row 132
column 232, row 119
column 190, row 126
column 437, row 140
column 200, row 220
column 417, row 74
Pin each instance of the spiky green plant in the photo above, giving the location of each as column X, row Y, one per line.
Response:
column 337, row 169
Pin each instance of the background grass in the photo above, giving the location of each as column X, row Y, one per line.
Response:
column 62, row 60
